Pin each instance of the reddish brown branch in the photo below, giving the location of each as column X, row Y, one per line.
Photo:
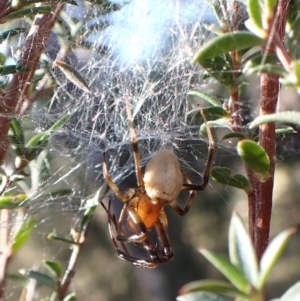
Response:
column 17, row 90
column 260, row 201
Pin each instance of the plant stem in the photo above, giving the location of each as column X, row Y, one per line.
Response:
column 17, row 90
column 260, row 201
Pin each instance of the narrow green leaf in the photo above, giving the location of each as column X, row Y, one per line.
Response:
column 285, row 131
column 267, row 68
column 35, row 145
column 58, row 124
column 242, row 87
column 241, row 251
column 72, row 2
column 223, row 175
column 17, row 138
column 259, row 59
column 255, row 11
column 214, row 286
column 272, row 254
column 61, row 237
column 70, row 297
column 12, row 201
column 270, row 5
column 40, row 278
column 203, row 296
column 292, row 37
column 56, row 194
column 221, row 69
column 53, row 267
column 219, row 123
column 12, row 32
column 17, row 278
column 232, row 273
column 228, row 42
column 73, row 75
column 213, row 101
column 234, row 135
column 292, row 294
column 254, row 157
column 10, row 69
column 38, row 142
column 23, row 234
column 28, row 12
column 283, row 117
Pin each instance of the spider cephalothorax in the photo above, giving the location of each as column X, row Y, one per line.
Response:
column 143, row 208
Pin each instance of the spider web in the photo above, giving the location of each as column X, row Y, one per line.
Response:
column 149, row 64
column 141, row 51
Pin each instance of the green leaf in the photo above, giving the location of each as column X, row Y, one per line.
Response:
column 12, row 201
column 12, row 32
column 17, row 278
column 292, row 294
column 17, row 138
column 61, row 237
column 38, row 142
column 234, row 135
column 223, row 175
column 214, row 286
column 221, row 69
column 9, row 69
column 23, row 234
column 228, row 42
column 216, row 111
column 56, row 194
column 72, row 2
column 203, row 296
column 254, row 10
column 213, row 101
column 272, row 254
column 259, row 59
column 255, row 158
column 40, row 278
column 285, row 131
column 270, row 5
column 27, row 12
column 53, row 267
column 292, row 36
column 231, row 272
column 283, row 117
column 73, row 75
column 60, row 122
column 267, row 68
column 70, row 297
column 219, row 123
column 241, row 251
column 242, row 87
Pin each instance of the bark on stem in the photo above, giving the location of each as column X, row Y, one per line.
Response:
column 260, row 201
column 17, row 90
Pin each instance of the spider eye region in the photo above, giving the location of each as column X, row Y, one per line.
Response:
column 163, row 178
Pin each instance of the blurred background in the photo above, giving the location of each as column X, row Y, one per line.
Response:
column 142, row 49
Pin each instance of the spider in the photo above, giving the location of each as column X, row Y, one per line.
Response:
column 143, row 207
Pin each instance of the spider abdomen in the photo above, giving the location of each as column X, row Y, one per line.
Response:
column 163, row 178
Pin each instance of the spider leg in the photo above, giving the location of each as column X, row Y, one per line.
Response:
column 112, row 185
column 161, row 228
column 137, row 226
column 134, row 143
column 202, row 186
column 122, row 251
